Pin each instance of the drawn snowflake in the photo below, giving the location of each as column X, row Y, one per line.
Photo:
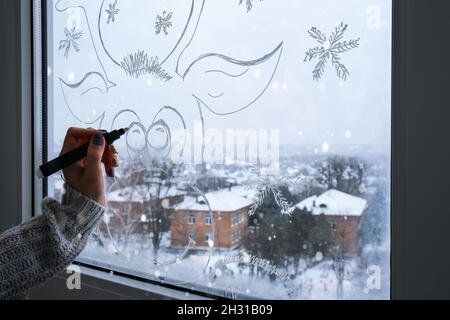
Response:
column 163, row 22
column 112, row 12
column 71, row 41
column 331, row 47
column 263, row 188
column 248, row 4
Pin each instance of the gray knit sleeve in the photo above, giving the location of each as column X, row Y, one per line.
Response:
column 37, row 250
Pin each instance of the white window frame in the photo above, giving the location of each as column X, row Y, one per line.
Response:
column 192, row 220
column 29, row 193
column 208, row 221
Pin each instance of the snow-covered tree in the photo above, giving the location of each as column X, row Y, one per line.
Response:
column 374, row 222
column 343, row 174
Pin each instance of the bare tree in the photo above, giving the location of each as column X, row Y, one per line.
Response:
column 156, row 193
column 145, row 193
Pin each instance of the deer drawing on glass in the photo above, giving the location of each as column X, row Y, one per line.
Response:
column 142, row 46
column 156, row 64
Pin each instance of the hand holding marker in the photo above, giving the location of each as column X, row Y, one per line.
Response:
column 77, row 154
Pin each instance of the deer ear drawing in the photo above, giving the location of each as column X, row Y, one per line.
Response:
column 80, row 98
column 228, row 85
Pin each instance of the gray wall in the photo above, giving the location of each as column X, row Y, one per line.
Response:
column 421, row 150
column 15, row 112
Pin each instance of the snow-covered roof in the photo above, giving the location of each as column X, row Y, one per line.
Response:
column 307, row 204
column 245, row 192
column 224, row 200
column 141, row 193
column 334, row 203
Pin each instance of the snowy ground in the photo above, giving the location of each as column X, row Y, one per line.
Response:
column 196, row 271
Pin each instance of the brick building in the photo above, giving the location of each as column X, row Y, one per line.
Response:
column 129, row 204
column 221, row 221
column 343, row 213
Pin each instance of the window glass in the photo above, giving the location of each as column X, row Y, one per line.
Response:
column 333, row 224
column 267, row 120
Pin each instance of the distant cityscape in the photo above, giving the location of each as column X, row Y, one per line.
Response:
column 322, row 213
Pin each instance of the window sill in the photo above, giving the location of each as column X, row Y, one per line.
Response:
column 99, row 285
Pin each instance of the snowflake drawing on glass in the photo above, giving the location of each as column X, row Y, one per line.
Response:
column 71, row 41
column 163, row 22
column 330, row 48
column 112, row 11
column 263, row 188
column 248, row 4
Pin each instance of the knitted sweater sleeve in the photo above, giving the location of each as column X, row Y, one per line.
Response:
column 37, row 250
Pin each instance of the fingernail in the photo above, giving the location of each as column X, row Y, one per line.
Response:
column 98, row 140
column 115, row 161
column 112, row 174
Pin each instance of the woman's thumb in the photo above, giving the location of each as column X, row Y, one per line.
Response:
column 95, row 154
